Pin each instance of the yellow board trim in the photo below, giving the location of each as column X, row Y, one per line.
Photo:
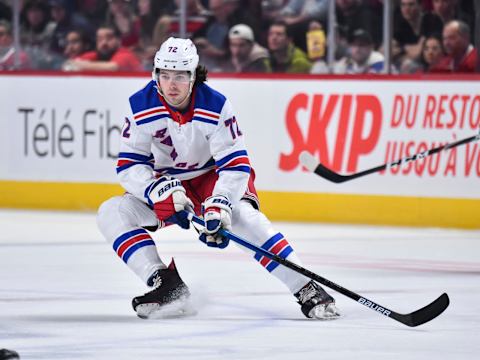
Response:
column 282, row 206
column 55, row 196
column 372, row 209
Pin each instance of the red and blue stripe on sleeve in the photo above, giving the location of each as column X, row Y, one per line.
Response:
column 236, row 161
column 125, row 245
column 127, row 160
column 277, row 245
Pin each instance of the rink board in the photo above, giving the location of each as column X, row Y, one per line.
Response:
column 312, row 207
column 58, row 145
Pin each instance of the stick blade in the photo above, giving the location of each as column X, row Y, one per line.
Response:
column 308, row 160
column 425, row 314
column 312, row 164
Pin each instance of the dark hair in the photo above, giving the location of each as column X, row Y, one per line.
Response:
column 436, row 36
column 288, row 29
column 112, row 27
column 85, row 38
column 201, row 74
column 38, row 5
column 362, row 36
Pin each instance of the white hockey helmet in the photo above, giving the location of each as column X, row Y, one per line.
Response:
column 176, row 54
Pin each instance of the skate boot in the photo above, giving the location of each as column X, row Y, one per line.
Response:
column 168, row 298
column 316, row 303
column 6, row 354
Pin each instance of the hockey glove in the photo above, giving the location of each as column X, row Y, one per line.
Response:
column 167, row 196
column 217, row 214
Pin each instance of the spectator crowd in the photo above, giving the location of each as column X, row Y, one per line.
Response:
column 240, row 36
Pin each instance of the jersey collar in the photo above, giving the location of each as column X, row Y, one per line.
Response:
column 177, row 115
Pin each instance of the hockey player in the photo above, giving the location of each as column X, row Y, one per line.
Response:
column 182, row 149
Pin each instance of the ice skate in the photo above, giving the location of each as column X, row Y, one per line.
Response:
column 168, row 299
column 6, row 354
column 316, row 303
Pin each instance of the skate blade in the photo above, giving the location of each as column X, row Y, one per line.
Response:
column 325, row 312
column 173, row 310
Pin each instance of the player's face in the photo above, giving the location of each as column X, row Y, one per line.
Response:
column 175, row 86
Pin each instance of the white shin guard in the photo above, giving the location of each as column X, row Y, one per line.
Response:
column 253, row 226
column 121, row 220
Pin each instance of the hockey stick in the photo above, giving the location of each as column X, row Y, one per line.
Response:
column 313, row 165
column 419, row 317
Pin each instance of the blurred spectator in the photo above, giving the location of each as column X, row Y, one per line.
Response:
column 445, row 9
column 65, row 20
column 362, row 58
column 121, row 15
column 246, row 56
column 467, row 6
column 5, row 12
column 7, row 50
column 93, row 10
column 149, row 11
column 108, row 56
column 432, row 52
column 37, row 28
column 212, row 40
column 449, row 10
column 169, row 25
column 427, row 5
column 461, row 55
column 353, row 15
column 76, row 44
column 285, row 57
column 240, row 13
column 296, row 11
column 319, row 66
column 411, row 25
column 271, row 9
column 36, row 34
column 410, row 66
column 297, row 14
column 254, row 9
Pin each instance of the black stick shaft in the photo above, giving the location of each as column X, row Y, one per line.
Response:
column 328, row 174
column 416, row 318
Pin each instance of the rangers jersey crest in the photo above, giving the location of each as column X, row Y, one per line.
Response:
column 157, row 140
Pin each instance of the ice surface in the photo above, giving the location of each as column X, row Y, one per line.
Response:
column 65, row 295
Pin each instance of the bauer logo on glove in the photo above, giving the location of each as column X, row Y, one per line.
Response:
column 167, row 196
column 169, row 185
column 217, row 214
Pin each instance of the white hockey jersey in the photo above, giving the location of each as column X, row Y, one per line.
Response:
column 158, row 140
